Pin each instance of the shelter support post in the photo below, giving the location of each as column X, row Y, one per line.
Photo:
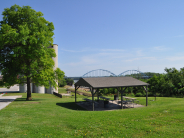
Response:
column 118, row 95
column 93, row 92
column 93, row 105
column 146, row 90
column 97, row 92
column 121, row 91
column 76, row 88
column 121, row 98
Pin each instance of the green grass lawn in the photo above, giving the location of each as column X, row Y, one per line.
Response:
column 50, row 116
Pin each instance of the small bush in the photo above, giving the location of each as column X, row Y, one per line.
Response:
column 150, row 94
column 138, row 94
column 132, row 94
column 124, row 94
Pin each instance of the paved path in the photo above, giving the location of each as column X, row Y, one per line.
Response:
column 6, row 100
column 14, row 88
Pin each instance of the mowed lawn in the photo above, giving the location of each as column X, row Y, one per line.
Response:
column 50, row 116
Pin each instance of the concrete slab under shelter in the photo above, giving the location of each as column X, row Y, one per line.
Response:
column 113, row 105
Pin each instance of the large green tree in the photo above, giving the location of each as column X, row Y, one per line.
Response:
column 24, row 40
column 169, row 84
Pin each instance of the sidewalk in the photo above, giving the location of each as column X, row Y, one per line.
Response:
column 6, row 100
column 12, row 89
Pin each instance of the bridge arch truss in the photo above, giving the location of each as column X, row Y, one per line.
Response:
column 133, row 73
column 99, row 73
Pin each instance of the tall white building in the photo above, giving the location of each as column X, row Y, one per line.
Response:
column 42, row 89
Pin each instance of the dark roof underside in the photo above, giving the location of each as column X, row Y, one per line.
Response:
column 109, row 82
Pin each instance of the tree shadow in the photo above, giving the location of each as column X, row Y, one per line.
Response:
column 6, row 100
column 71, row 105
column 24, row 99
column 9, row 92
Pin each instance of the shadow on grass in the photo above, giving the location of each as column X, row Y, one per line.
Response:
column 9, row 92
column 24, row 99
column 6, row 100
column 71, row 105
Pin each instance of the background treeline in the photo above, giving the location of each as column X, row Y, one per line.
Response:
column 169, row 84
column 145, row 75
column 66, row 81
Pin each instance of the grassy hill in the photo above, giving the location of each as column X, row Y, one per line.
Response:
column 50, row 116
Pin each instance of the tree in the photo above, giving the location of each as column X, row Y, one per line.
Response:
column 169, row 84
column 24, row 40
column 63, row 83
column 69, row 81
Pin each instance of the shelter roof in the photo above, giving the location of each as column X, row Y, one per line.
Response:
column 110, row 82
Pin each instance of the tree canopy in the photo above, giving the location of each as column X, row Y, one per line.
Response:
column 25, row 36
column 169, row 84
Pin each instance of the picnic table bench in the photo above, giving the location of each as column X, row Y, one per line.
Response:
column 130, row 100
column 90, row 102
column 126, row 103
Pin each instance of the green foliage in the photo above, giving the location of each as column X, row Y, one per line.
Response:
column 66, row 81
column 169, row 84
column 138, row 94
column 63, row 83
column 69, row 81
column 24, row 40
column 107, row 91
column 151, row 74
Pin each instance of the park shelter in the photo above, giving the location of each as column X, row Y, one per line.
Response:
column 120, row 83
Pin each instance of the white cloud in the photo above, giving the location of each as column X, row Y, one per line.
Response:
column 113, row 50
column 88, row 60
column 175, row 58
column 140, row 58
column 73, row 63
column 139, row 53
column 130, row 60
column 73, row 51
column 115, row 61
column 107, row 58
column 161, row 48
column 89, row 49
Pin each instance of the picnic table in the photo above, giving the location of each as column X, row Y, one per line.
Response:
column 106, row 103
column 131, row 100
column 90, row 102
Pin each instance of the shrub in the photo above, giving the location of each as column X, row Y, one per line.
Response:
column 138, row 94
column 124, row 94
column 132, row 94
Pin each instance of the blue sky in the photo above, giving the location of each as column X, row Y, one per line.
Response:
column 116, row 35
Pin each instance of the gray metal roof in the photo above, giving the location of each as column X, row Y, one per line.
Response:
column 109, row 82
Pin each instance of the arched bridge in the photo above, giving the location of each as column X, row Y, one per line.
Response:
column 134, row 73
column 99, row 73
column 106, row 73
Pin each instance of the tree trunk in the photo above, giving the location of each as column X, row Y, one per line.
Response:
column 28, row 89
